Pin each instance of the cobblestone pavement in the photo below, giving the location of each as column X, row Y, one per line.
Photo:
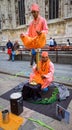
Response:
column 8, row 82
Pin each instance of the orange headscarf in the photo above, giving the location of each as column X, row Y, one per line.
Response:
column 44, row 54
column 35, row 7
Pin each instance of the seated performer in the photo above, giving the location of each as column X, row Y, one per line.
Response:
column 43, row 72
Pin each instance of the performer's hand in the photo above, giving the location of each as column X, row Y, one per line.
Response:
column 38, row 32
column 43, row 77
column 36, row 68
column 22, row 34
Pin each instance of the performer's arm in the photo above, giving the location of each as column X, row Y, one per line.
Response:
column 51, row 70
column 45, row 27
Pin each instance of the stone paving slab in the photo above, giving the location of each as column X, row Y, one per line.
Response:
column 3, row 104
column 8, row 82
column 63, row 72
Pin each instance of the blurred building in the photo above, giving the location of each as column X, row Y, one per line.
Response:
column 15, row 17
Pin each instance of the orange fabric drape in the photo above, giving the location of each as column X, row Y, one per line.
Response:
column 14, row 122
column 36, row 42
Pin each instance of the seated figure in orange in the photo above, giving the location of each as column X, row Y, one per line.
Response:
column 43, row 73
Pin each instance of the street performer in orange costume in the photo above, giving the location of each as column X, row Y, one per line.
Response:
column 36, row 34
column 44, row 73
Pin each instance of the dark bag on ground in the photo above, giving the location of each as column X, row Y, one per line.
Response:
column 30, row 91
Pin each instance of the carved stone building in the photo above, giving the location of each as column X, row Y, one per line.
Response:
column 15, row 17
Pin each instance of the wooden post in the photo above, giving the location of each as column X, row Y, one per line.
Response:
column 37, row 57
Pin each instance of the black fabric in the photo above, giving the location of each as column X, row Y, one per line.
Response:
column 48, row 110
column 31, row 91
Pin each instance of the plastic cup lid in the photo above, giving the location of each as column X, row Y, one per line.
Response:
column 15, row 95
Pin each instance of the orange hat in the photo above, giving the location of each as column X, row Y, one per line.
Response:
column 34, row 7
column 44, row 54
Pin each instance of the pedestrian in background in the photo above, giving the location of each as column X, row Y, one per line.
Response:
column 51, row 42
column 55, row 43
column 68, row 42
column 15, row 50
column 16, row 45
column 33, row 57
column 13, row 54
column 9, row 46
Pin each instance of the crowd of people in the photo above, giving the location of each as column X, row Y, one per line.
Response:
column 12, row 49
column 52, row 42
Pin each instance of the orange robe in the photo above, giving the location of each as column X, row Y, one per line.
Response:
column 36, row 42
column 46, row 69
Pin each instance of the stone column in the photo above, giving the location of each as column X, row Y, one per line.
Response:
column 13, row 14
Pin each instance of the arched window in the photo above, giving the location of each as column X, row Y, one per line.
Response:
column 21, row 6
column 53, row 9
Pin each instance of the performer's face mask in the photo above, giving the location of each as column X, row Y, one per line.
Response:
column 44, row 59
column 35, row 14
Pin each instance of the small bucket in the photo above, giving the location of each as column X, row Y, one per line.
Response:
column 5, row 116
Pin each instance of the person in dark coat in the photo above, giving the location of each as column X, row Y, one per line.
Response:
column 55, row 43
column 68, row 42
column 16, row 45
column 15, row 49
column 9, row 46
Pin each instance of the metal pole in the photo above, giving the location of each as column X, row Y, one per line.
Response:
column 37, row 57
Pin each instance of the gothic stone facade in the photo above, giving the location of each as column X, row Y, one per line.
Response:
column 15, row 17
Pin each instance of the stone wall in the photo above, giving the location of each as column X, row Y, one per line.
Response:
column 60, row 28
